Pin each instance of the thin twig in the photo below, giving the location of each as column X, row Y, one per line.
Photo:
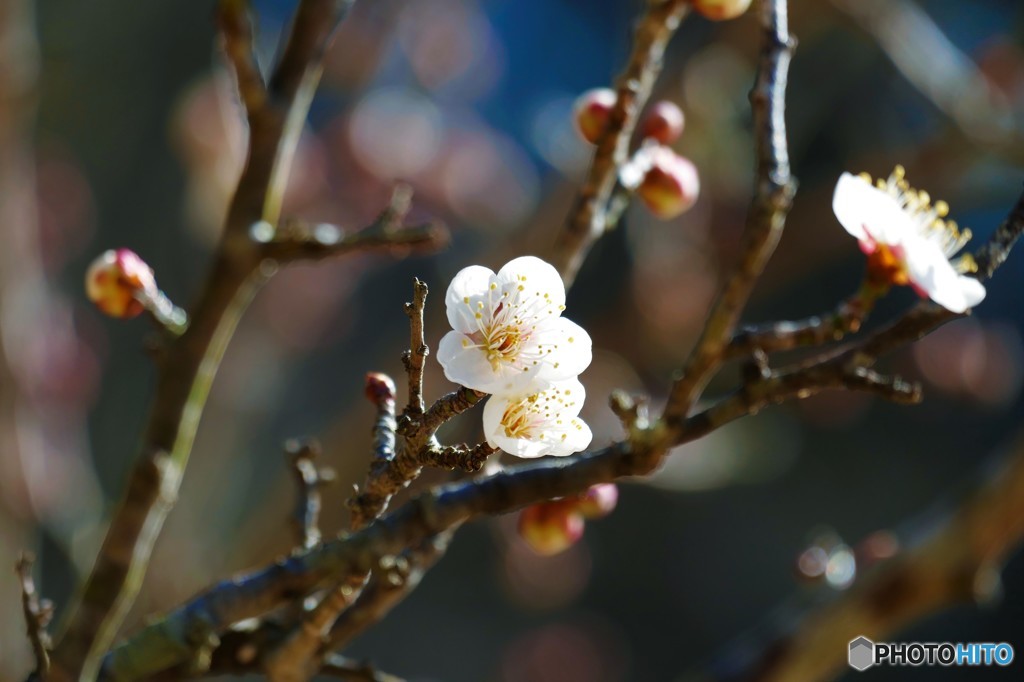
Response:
column 418, row 351
column 588, row 217
column 309, row 479
column 296, row 240
column 812, row 331
column 767, row 215
column 37, row 614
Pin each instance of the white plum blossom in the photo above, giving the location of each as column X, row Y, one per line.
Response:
column 508, row 336
column 907, row 240
column 538, row 424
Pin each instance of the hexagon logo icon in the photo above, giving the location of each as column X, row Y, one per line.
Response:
column 862, row 653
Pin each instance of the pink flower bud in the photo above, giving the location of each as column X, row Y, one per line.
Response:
column 379, row 387
column 117, row 280
column 664, row 123
column 592, row 109
column 670, row 185
column 599, row 500
column 551, row 527
column 720, row 10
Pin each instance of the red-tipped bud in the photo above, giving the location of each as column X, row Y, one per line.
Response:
column 592, row 110
column 670, row 184
column 117, row 281
column 720, row 10
column 664, row 123
column 599, row 500
column 551, row 527
column 379, row 387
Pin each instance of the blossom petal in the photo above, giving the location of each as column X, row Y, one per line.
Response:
column 564, row 349
column 540, row 278
column 463, row 363
column 932, row 272
column 468, row 288
column 467, row 364
column 867, row 212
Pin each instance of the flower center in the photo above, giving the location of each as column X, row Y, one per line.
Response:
column 886, row 266
column 516, row 419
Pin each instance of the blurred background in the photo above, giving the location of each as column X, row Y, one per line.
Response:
column 119, row 127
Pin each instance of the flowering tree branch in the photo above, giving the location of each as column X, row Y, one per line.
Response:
column 957, row 562
column 587, row 220
column 355, row 579
column 765, row 219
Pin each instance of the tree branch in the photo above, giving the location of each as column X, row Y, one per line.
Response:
column 377, row 600
column 236, row 30
column 587, row 218
column 418, row 349
column 767, row 215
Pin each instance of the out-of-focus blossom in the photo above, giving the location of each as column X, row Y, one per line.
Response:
column 599, row 500
column 117, row 281
column 508, row 334
column 720, row 10
column 664, row 122
column 906, row 239
column 538, row 424
column 551, row 527
column 591, row 113
column 395, row 133
column 667, row 183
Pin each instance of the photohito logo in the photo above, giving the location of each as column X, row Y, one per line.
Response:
column 863, row 653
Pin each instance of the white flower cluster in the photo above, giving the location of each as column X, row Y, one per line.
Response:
column 509, row 339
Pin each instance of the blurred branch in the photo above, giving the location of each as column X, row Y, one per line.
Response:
column 767, row 215
column 236, row 29
column 377, row 600
column 812, row 331
column 958, row 561
column 187, row 368
column 37, row 615
column 345, row 669
column 309, row 479
column 295, row 240
column 587, row 218
column 939, row 70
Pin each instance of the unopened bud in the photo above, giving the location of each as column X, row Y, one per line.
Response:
column 720, row 10
column 592, row 110
column 670, row 185
column 550, row 527
column 664, row 123
column 118, row 281
column 599, row 500
column 379, row 387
